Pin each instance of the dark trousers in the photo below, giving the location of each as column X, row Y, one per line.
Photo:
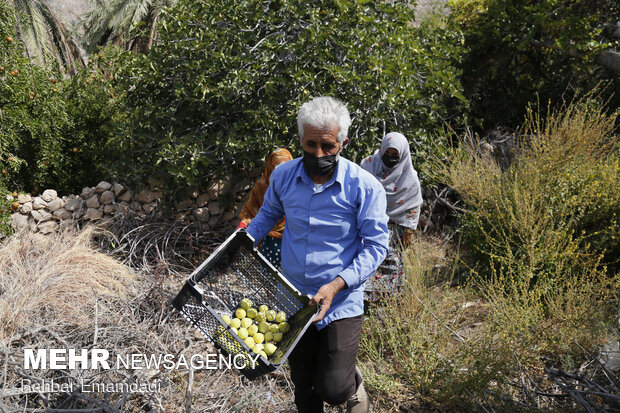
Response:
column 323, row 365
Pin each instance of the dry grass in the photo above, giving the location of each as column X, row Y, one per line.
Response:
column 48, row 278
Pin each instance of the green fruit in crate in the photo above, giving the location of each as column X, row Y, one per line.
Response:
column 253, row 329
column 246, row 303
column 251, row 313
column 243, row 333
column 226, row 318
column 259, row 338
column 271, row 315
column 263, row 309
column 262, row 353
column 270, row 348
column 249, row 342
column 268, row 336
column 246, row 322
column 284, row 327
column 263, row 327
column 235, row 323
column 281, row 317
column 240, row 313
column 260, row 317
column 277, row 337
column 258, row 347
column 235, row 331
column 274, row 328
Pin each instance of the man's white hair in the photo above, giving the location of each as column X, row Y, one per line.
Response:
column 324, row 112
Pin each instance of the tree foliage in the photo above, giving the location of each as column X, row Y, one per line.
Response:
column 522, row 51
column 225, row 82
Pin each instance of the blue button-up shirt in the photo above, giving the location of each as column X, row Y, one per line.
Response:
column 338, row 229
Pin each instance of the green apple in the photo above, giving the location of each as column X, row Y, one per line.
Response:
column 260, row 317
column 263, row 308
column 249, row 342
column 246, row 322
column 268, row 336
column 246, row 303
column 253, row 329
column 240, row 313
column 251, row 313
column 281, row 317
column 263, row 327
column 274, row 328
column 259, row 337
column 271, row 315
column 277, row 337
column 284, row 327
column 270, row 348
column 226, row 318
column 235, row 323
column 243, row 333
column 258, row 347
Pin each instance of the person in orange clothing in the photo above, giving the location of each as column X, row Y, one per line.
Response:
column 272, row 244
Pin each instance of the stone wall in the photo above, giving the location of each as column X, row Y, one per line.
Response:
column 49, row 212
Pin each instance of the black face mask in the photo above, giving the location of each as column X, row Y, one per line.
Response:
column 390, row 161
column 319, row 166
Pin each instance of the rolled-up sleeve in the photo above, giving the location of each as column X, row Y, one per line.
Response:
column 372, row 222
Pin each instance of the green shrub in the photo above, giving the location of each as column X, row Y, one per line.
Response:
column 225, row 82
column 517, row 50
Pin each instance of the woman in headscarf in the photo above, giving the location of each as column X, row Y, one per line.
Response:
column 271, row 245
column 391, row 165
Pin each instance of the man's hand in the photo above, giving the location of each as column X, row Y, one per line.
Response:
column 326, row 294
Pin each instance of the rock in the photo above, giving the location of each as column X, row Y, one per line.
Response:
column 193, row 192
column 47, row 227
column 66, row 223
column 23, row 198
column 146, row 195
column 55, row 204
column 49, row 194
column 26, row 207
column 218, row 187
column 184, row 205
column 109, row 209
column 77, row 214
column 100, row 209
column 214, row 207
column 213, row 222
column 87, row 192
column 41, row 215
column 118, row 189
column 93, row 202
column 73, row 204
column 33, row 225
column 102, row 187
column 106, row 219
column 228, row 216
column 149, row 206
column 245, row 185
column 38, row 203
column 62, row 214
column 181, row 217
column 202, row 200
column 107, row 197
column 19, row 222
column 124, row 208
column 125, row 196
column 135, row 206
column 201, row 214
column 93, row 214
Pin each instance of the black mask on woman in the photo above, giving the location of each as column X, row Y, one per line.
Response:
column 390, row 161
column 319, row 166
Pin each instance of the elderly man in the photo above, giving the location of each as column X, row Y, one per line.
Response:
column 335, row 237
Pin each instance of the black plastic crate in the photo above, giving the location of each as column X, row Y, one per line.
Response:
column 236, row 270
